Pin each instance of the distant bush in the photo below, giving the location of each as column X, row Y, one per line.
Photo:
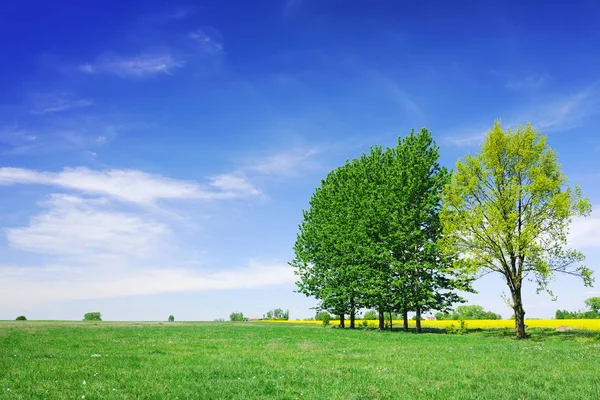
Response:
column 236, row 316
column 371, row 315
column 321, row 315
column 593, row 304
column 92, row 316
column 171, row 318
column 468, row 313
column 220, row 320
column 325, row 319
column 21, row 318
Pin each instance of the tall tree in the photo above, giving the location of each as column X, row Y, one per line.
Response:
column 507, row 210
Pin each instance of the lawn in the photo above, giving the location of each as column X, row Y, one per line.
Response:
column 69, row 360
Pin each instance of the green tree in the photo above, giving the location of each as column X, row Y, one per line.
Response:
column 593, row 304
column 21, row 318
column 171, row 318
column 236, row 316
column 370, row 236
column 277, row 314
column 92, row 316
column 508, row 209
column 473, row 312
column 370, row 315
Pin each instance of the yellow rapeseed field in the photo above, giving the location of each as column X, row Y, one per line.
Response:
column 587, row 324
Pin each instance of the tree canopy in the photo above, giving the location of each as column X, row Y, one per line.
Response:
column 507, row 210
column 370, row 236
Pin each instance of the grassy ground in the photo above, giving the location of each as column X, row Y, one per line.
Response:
column 261, row 360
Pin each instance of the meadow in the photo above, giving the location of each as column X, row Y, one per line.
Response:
column 257, row 360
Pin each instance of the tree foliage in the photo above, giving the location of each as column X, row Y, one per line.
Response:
column 21, row 318
column 92, row 316
column 236, row 316
column 466, row 312
column 277, row 314
column 507, row 210
column 593, row 312
column 171, row 318
column 370, row 236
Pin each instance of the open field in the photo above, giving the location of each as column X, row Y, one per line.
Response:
column 57, row 360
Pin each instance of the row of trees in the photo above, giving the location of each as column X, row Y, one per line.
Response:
column 593, row 311
column 394, row 231
column 468, row 313
column 371, row 236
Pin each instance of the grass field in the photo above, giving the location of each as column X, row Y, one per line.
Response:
column 70, row 360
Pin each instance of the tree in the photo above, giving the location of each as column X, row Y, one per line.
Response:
column 370, row 315
column 370, row 236
column 21, row 318
column 507, row 210
column 92, row 316
column 277, row 314
column 236, row 316
column 593, row 304
column 171, row 318
column 473, row 312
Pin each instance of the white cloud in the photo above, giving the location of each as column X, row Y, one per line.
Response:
column 554, row 115
column 138, row 67
column 285, row 163
column 34, row 285
column 132, row 186
column 533, row 81
column 60, row 105
column 208, row 40
column 89, row 229
column 233, row 184
column 466, row 140
column 585, row 232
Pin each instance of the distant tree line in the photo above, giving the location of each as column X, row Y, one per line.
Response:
column 593, row 312
column 472, row 312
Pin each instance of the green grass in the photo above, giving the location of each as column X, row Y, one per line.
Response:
column 260, row 360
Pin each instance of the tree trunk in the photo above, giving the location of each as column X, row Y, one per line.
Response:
column 519, row 314
column 418, row 330
column 352, row 313
column 391, row 321
column 405, row 317
column 342, row 321
column 381, row 320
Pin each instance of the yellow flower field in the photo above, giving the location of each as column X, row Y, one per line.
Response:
column 587, row 324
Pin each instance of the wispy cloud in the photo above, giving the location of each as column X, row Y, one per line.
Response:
column 140, row 66
column 209, row 40
column 556, row 114
column 79, row 227
column 131, row 186
column 533, row 81
column 585, row 232
column 289, row 162
column 59, row 104
column 37, row 285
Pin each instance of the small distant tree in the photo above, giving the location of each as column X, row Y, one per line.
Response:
column 371, row 315
column 236, row 316
column 321, row 315
column 92, row 316
column 277, row 314
column 171, row 318
column 21, row 318
column 593, row 304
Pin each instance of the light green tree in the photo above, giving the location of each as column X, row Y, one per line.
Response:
column 508, row 209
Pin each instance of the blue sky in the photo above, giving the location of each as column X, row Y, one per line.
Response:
column 156, row 156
